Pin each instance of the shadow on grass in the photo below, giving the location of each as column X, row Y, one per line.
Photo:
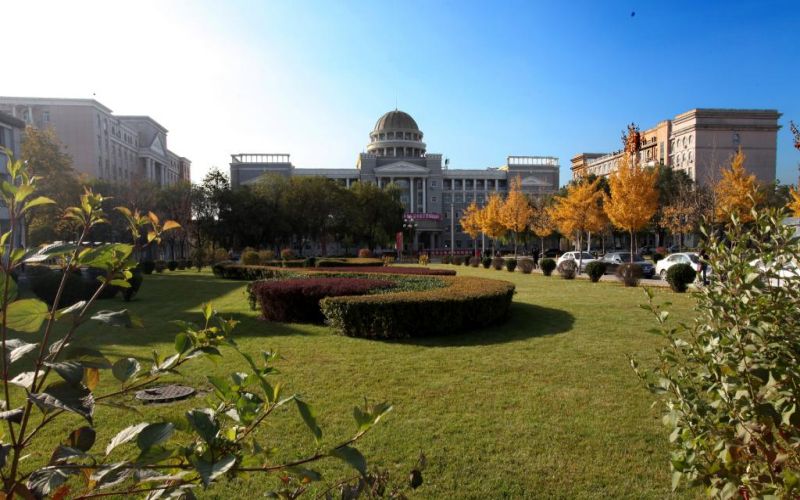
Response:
column 525, row 321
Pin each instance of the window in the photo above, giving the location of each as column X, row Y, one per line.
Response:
column 46, row 116
column 434, row 184
column 433, row 199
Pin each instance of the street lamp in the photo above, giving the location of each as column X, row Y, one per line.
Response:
column 410, row 225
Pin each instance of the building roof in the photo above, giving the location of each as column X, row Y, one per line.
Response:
column 54, row 101
column 10, row 120
column 394, row 120
column 142, row 118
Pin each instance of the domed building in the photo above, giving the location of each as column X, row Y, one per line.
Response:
column 433, row 194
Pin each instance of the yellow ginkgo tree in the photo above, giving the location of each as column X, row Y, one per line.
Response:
column 516, row 212
column 737, row 192
column 580, row 211
column 634, row 197
column 471, row 222
column 490, row 219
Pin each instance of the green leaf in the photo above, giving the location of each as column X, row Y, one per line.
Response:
column 208, row 311
column 125, row 368
column 50, row 251
column 24, row 379
column 44, row 481
column 353, row 457
column 182, row 343
column 14, row 415
column 118, row 318
column 309, row 418
column 71, row 310
column 208, row 472
column 203, row 421
column 26, row 315
column 105, row 256
column 306, row 475
column 82, row 438
column 16, row 348
column 38, row 201
column 70, row 371
column 125, row 435
column 89, row 358
column 12, row 289
column 119, row 283
column 65, row 396
column 154, row 434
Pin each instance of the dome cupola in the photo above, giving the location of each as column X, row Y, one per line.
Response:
column 396, row 134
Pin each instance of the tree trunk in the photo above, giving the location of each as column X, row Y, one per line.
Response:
column 631, row 246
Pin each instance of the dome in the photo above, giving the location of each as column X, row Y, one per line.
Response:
column 394, row 120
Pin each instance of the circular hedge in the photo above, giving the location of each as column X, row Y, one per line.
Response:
column 680, row 276
column 465, row 303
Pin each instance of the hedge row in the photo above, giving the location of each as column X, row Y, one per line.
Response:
column 297, row 300
column 467, row 303
column 232, row 270
column 418, row 271
column 359, row 262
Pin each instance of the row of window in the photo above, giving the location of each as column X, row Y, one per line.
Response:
column 476, row 184
column 403, row 136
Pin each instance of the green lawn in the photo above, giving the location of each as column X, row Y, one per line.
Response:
column 543, row 406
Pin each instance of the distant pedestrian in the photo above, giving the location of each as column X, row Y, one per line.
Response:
column 536, row 258
column 704, row 266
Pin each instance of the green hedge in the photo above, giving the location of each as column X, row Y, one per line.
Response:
column 359, row 262
column 467, row 303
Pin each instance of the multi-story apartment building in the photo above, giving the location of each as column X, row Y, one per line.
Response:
column 11, row 130
column 700, row 142
column 433, row 194
column 101, row 144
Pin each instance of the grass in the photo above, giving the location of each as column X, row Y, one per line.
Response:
column 543, row 406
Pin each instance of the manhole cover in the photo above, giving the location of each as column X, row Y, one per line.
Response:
column 164, row 393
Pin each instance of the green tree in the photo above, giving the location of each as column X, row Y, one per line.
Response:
column 379, row 213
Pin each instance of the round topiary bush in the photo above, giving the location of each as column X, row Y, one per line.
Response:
column 161, row 266
column 474, row 261
column 629, row 274
column 511, row 264
column 445, row 259
column 548, row 266
column 595, row 270
column 497, row 263
column 458, row 260
column 44, row 281
column 136, row 282
column 525, row 265
column 486, row 262
column 250, row 258
column 221, row 254
column 568, row 269
column 466, row 260
column 148, row 267
column 181, row 265
column 265, row 256
column 172, row 265
column 680, row 276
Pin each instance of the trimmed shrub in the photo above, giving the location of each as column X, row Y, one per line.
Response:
column 148, row 267
column 548, row 266
column 657, row 256
column 181, row 265
column 91, row 283
column 250, row 258
column 293, row 263
column 511, row 264
column 424, row 271
column 680, row 276
column 297, row 300
column 265, row 256
column 423, row 260
column 458, row 260
column 474, row 261
column 136, row 283
column 364, row 253
column 466, row 260
column 629, row 274
column 486, row 262
column 388, row 260
column 497, row 263
column 568, row 269
column 525, row 265
column 172, row 265
column 44, row 281
column 361, row 262
column 595, row 270
column 220, row 254
column 445, row 259
column 466, row 303
column 160, row 266
column 287, row 254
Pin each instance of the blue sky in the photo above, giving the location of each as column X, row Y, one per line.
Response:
column 483, row 80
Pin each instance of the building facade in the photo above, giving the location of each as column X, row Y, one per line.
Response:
column 11, row 130
column 700, row 142
column 103, row 145
column 433, row 194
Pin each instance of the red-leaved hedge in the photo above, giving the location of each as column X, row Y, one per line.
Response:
column 297, row 300
column 422, row 271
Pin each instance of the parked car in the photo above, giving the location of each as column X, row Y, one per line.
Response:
column 613, row 260
column 690, row 258
column 579, row 257
column 551, row 253
column 782, row 271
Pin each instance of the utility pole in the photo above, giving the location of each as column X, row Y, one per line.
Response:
column 452, row 230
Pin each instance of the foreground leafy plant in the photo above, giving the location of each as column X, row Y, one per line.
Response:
column 170, row 457
column 730, row 381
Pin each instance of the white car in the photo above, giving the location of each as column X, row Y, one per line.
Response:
column 582, row 257
column 689, row 258
column 782, row 271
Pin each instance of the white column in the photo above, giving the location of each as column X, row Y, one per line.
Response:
column 411, row 193
column 425, row 195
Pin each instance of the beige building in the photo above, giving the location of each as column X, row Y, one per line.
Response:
column 700, row 142
column 101, row 144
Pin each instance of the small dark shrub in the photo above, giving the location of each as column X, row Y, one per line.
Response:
column 91, row 283
column 364, row 253
column 136, row 282
column 629, row 274
column 148, row 266
column 474, row 261
column 511, row 264
column 548, row 266
column 160, row 266
column 680, row 276
column 172, row 265
column 497, row 263
column 297, row 300
column 568, row 269
column 44, row 282
column 250, row 258
column 466, row 260
column 310, row 262
column 657, row 256
column 265, row 256
column 445, row 259
column 595, row 270
column 525, row 265
column 458, row 260
column 181, row 265
column 486, row 262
